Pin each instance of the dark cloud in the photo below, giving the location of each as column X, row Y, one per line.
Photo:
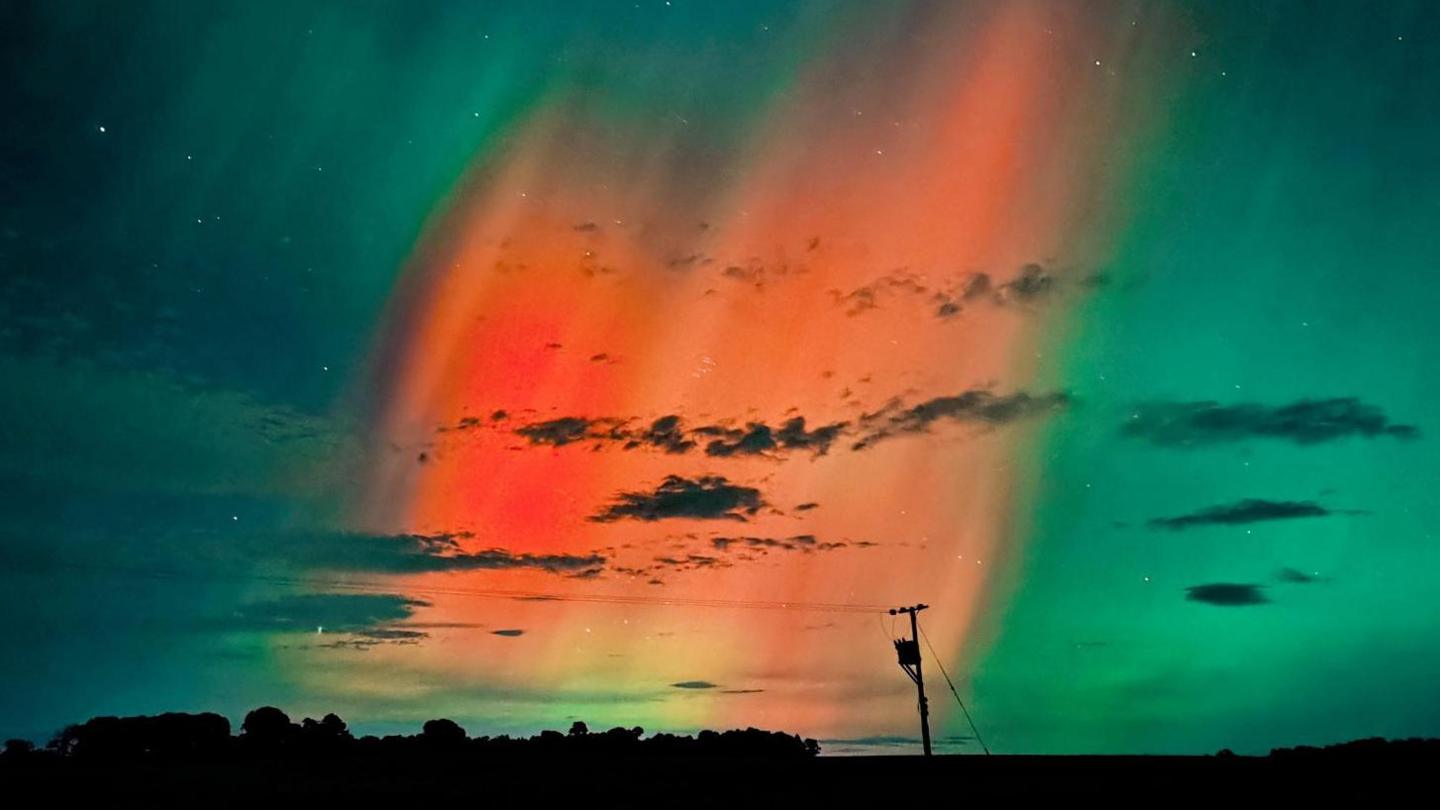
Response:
column 877, row 741
column 556, row 432
column 1307, row 421
column 694, row 685
column 976, row 287
column 793, row 436
column 409, row 554
column 1250, row 510
column 801, row 542
column 1033, row 283
column 363, row 640
column 1295, row 576
column 710, row 497
column 507, row 633
column 670, row 434
column 970, row 406
column 868, row 297
column 333, row 612
column 1227, row 594
column 666, row 433
column 689, row 562
column 749, row 549
column 758, row 438
column 806, row 507
column 690, row 260
column 741, row 691
column 754, row 440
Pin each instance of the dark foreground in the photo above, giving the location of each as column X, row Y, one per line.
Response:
column 720, row 781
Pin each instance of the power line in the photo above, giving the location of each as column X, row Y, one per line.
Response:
column 951, row 684
column 486, row 593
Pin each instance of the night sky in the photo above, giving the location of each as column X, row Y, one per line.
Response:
column 522, row 362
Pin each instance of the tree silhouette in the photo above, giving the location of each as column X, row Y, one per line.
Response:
column 443, row 733
column 267, row 729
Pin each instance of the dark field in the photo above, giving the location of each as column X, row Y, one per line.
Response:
column 1391, row 775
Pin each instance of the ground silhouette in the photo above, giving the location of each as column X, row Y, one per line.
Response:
column 179, row 759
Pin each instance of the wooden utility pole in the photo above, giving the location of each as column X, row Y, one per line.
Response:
column 909, row 652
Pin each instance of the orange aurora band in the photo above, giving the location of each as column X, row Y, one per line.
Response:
column 907, row 222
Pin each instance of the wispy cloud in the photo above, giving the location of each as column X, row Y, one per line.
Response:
column 977, row 405
column 1227, row 594
column 1249, row 510
column 1307, row 421
column 408, row 554
column 340, row 613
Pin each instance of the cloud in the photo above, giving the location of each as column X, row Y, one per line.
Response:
column 148, row 431
column 1249, row 510
column 334, row 612
column 800, row 542
column 410, row 554
column 761, row 439
column 1033, row 283
column 689, row 562
column 793, row 436
column 390, row 634
column 1295, row 576
column 1227, row 594
column 364, row 640
column 868, row 297
column 710, row 497
column 970, row 406
column 694, row 685
column 757, row 438
column 1306, row 421
column 557, row 432
column 741, row 691
column 670, row 434
column 666, row 433
column 877, row 740
column 509, row 633
column 977, row 286
column 750, row 549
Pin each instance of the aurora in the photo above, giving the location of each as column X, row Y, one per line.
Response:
column 525, row 363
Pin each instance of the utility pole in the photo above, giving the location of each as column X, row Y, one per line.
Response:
column 909, row 652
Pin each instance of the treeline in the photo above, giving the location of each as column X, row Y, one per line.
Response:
column 1372, row 747
column 268, row 733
